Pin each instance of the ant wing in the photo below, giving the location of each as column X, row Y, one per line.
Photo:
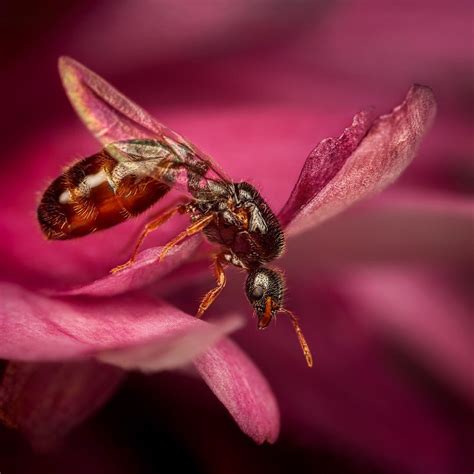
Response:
column 120, row 124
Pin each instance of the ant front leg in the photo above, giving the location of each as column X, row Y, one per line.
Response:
column 149, row 228
column 211, row 295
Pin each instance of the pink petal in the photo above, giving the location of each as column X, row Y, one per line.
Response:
column 138, row 333
column 436, row 229
column 173, row 350
column 33, row 327
column 206, row 26
column 146, row 270
column 44, row 401
column 243, row 390
column 430, row 201
column 388, row 148
column 417, row 310
column 323, row 164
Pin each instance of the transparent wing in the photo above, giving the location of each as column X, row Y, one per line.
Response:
column 115, row 121
column 174, row 166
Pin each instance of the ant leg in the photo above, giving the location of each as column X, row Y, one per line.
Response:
column 194, row 228
column 211, row 295
column 149, row 228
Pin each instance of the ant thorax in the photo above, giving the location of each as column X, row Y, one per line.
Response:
column 246, row 226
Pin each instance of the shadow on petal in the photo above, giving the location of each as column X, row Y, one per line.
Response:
column 44, row 401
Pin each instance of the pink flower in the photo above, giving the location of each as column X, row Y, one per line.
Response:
column 381, row 289
column 135, row 331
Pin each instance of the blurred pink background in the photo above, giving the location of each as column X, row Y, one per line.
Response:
column 383, row 289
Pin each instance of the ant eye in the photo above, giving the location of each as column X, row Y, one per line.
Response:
column 257, row 292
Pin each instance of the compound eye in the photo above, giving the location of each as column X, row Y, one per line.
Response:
column 257, row 292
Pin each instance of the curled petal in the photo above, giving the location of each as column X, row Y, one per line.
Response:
column 388, row 148
column 146, row 269
column 243, row 390
column 37, row 328
column 322, row 165
column 45, row 400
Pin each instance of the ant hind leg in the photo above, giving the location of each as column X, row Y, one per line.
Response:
column 149, row 228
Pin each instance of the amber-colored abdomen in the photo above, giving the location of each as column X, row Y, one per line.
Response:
column 95, row 193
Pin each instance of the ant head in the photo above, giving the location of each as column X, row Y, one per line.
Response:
column 265, row 289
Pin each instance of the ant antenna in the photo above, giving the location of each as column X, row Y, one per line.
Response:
column 301, row 338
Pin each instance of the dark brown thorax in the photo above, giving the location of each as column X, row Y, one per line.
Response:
column 247, row 226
